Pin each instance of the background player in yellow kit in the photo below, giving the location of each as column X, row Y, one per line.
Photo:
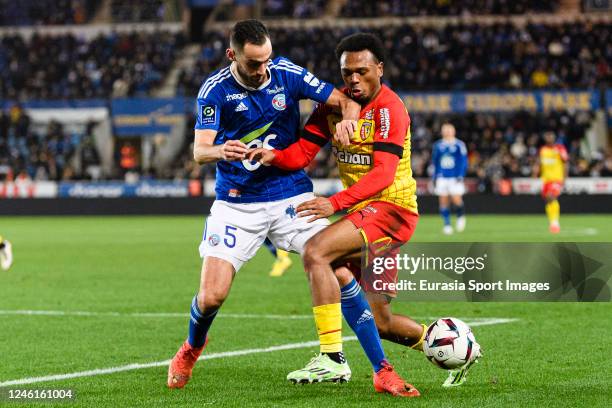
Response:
column 553, row 170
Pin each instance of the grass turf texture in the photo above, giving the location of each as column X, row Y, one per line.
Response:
column 554, row 355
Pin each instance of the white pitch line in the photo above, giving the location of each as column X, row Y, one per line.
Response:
column 236, row 353
column 143, row 314
column 137, row 366
column 184, row 315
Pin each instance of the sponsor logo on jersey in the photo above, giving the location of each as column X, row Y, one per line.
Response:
column 241, row 107
column 233, row 192
column 236, row 96
column 275, row 90
column 278, row 102
column 214, row 240
column 311, row 80
column 320, row 88
column 208, row 114
column 352, row 158
column 384, row 123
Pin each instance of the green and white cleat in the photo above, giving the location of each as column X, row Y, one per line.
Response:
column 459, row 376
column 321, row 368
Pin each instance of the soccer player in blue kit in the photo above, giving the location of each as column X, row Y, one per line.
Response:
column 254, row 102
column 449, row 158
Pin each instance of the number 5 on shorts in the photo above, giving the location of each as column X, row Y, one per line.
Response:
column 228, row 234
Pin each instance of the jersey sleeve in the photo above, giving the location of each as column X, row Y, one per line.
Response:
column 562, row 152
column 303, row 84
column 392, row 124
column 208, row 114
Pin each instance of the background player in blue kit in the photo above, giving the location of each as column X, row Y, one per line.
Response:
column 449, row 158
column 254, row 103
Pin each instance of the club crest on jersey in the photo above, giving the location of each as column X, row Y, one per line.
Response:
column 365, row 131
column 214, row 240
column 278, row 102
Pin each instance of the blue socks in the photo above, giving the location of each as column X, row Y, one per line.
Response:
column 460, row 210
column 358, row 315
column 199, row 324
column 445, row 213
column 270, row 246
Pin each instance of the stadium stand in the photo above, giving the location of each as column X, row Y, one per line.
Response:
column 357, row 8
column 452, row 57
column 137, row 10
column 46, row 12
column 108, row 65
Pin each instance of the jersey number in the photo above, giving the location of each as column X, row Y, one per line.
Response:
column 254, row 144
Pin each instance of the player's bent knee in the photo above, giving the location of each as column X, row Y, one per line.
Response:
column 211, row 300
column 312, row 255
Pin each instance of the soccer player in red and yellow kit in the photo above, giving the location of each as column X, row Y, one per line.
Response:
column 553, row 170
column 380, row 193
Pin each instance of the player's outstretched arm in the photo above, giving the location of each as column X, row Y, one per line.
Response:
column 350, row 115
column 205, row 151
column 295, row 157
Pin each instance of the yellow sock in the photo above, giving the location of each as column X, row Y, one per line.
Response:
column 553, row 210
column 419, row 344
column 328, row 319
column 281, row 254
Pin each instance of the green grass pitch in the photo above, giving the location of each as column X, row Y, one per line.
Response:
column 136, row 277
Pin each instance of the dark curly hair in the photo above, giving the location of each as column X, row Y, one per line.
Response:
column 248, row 31
column 360, row 42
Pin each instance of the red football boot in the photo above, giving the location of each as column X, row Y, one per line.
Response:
column 182, row 364
column 388, row 380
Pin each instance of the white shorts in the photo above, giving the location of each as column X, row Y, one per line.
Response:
column 449, row 186
column 234, row 232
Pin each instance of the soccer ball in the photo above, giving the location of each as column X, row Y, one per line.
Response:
column 449, row 343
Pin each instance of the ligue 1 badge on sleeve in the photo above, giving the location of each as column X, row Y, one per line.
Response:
column 208, row 114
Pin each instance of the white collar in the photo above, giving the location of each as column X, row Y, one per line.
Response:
column 249, row 88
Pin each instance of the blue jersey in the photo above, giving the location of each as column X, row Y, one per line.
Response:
column 449, row 159
column 268, row 116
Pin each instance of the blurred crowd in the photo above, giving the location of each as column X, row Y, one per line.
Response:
column 123, row 11
column 383, row 8
column 46, row 12
column 52, row 153
column 359, row 8
column 452, row 57
column 68, row 67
